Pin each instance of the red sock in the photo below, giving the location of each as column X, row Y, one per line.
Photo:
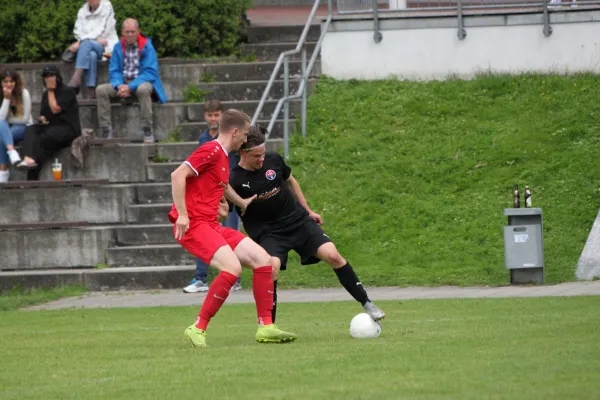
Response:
column 216, row 296
column 262, row 287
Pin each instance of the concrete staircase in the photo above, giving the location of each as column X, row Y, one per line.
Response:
column 128, row 242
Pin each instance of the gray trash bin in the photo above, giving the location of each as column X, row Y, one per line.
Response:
column 524, row 245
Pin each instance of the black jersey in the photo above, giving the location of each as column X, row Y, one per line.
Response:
column 275, row 206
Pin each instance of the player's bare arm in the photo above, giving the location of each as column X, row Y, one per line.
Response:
column 232, row 196
column 178, row 179
column 223, row 209
column 295, row 188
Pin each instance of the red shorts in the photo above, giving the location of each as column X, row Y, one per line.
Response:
column 202, row 240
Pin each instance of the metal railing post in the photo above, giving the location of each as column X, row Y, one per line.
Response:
column 286, row 107
column 462, row 34
column 304, row 92
column 547, row 28
column 377, row 36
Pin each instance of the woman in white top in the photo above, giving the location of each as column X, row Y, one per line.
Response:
column 15, row 114
column 96, row 35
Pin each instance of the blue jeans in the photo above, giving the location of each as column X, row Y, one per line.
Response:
column 9, row 135
column 88, row 55
column 232, row 222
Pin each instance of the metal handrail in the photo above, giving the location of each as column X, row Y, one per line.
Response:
column 306, row 70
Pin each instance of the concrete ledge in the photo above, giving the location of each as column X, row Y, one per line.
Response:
column 154, row 193
column 191, row 130
column 138, row 278
column 178, row 151
column 175, row 76
column 274, row 34
column 54, row 248
column 117, row 163
column 149, row 213
column 166, row 117
column 137, row 235
column 162, row 254
column 272, row 51
column 95, row 204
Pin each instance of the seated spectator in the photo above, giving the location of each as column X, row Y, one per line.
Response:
column 133, row 70
column 96, row 35
column 213, row 110
column 57, row 127
column 15, row 114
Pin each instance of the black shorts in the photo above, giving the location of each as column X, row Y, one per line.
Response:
column 304, row 237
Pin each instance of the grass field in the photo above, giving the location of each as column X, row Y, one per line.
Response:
column 18, row 297
column 412, row 178
column 539, row 348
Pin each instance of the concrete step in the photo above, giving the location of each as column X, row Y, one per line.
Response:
column 32, row 249
column 178, row 151
column 150, row 255
column 161, row 172
column 119, row 163
column 132, row 278
column 191, row 130
column 154, row 193
column 116, row 162
column 274, row 34
column 271, row 51
column 175, row 77
column 96, row 204
column 125, row 118
column 250, row 90
column 133, row 235
column 195, row 111
column 149, row 213
column 183, row 75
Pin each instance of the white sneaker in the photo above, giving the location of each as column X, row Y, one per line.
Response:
column 236, row 286
column 373, row 311
column 4, row 176
column 14, row 156
column 196, row 286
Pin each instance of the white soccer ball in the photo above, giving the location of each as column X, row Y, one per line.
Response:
column 363, row 326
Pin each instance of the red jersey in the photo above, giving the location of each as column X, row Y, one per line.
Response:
column 210, row 163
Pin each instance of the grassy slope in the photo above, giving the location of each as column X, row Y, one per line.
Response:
column 544, row 348
column 412, row 178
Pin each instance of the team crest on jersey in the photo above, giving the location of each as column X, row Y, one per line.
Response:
column 270, row 174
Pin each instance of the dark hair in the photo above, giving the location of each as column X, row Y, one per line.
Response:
column 212, row 106
column 233, row 118
column 257, row 135
column 52, row 70
column 17, row 94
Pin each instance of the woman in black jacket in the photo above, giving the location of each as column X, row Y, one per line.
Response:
column 57, row 127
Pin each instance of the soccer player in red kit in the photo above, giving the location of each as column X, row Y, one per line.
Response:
column 197, row 187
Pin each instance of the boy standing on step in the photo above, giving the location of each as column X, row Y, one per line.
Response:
column 198, row 186
column 213, row 110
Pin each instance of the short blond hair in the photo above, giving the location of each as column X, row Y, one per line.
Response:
column 233, row 118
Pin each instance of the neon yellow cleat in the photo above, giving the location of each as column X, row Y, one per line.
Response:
column 197, row 337
column 272, row 334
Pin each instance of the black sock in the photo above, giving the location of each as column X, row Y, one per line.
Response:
column 350, row 282
column 274, row 311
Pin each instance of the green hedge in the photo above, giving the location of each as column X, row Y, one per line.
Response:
column 40, row 30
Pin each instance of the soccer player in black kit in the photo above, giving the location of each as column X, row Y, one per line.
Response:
column 279, row 218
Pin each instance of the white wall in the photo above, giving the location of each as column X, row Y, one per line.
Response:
column 436, row 53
